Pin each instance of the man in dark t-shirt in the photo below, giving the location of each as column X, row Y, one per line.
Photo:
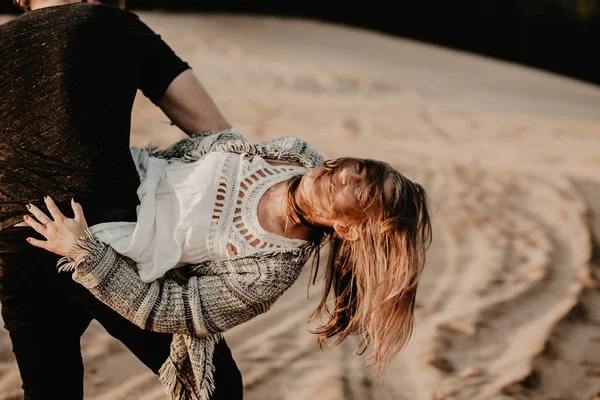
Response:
column 69, row 75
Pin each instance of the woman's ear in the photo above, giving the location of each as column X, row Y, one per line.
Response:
column 347, row 232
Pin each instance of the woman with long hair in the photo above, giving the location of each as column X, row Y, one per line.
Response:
column 224, row 228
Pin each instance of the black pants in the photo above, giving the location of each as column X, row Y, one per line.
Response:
column 46, row 313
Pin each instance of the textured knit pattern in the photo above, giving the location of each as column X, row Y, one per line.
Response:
column 68, row 78
column 199, row 302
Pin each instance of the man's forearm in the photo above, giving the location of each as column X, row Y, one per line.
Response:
column 187, row 103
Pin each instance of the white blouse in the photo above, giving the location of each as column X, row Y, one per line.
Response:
column 194, row 212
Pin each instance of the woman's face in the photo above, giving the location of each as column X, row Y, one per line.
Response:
column 342, row 190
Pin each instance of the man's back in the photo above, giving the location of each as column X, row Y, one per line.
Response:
column 68, row 82
column 68, row 78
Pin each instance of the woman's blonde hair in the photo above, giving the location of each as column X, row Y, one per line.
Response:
column 374, row 277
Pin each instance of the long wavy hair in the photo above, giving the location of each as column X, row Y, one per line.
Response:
column 25, row 4
column 374, row 277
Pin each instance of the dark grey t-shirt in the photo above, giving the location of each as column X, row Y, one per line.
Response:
column 68, row 79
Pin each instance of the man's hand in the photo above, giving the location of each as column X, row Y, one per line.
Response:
column 61, row 232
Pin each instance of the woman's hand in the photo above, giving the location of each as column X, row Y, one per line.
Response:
column 61, row 232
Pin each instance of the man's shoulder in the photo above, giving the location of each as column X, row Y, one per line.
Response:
column 108, row 13
column 108, row 10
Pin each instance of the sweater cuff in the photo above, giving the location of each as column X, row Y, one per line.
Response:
column 92, row 266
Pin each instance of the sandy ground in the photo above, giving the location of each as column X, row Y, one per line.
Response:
column 509, row 307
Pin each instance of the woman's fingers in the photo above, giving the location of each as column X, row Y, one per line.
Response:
column 61, row 232
column 53, row 208
column 39, row 228
column 77, row 211
column 38, row 243
column 39, row 214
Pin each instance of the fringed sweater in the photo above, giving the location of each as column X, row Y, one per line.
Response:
column 197, row 303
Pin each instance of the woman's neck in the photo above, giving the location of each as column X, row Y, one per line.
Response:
column 300, row 220
column 274, row 215
column 307, row 212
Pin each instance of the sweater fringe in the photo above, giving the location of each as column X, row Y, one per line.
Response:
column 87, row 242
column 176, row 389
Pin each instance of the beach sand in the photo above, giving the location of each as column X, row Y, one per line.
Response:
column 509, row 305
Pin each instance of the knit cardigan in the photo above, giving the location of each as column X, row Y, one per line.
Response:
column 197, row 303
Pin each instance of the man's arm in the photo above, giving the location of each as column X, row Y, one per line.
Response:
column 187, row 103
column 168, row 81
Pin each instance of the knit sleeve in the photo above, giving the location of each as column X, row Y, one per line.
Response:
column 198, row 144
column 194, row 305
column 292, row 149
